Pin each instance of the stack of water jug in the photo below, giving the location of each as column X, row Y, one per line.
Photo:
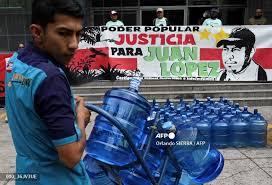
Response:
column 178, row 142
column 223, row 123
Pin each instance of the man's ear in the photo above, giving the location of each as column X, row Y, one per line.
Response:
column 253, row 50
column 37, row 33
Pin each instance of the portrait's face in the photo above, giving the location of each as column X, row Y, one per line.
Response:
column 60, row 39
column 233, row 57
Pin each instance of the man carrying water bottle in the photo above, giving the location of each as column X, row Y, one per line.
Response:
column 46, row 122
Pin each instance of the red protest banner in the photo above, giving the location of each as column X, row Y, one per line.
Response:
column 2, row 73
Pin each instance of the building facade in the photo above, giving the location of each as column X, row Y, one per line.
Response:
column 15, row 15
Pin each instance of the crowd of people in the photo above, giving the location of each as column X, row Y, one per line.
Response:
column 209, row 18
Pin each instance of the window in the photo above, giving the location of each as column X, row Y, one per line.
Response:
column 11, row 3
column 217, row 2
column 202, row 2
column 114, row 3
column 162, row 2
column 232, row 2
column 128, row 17
column 233, row 16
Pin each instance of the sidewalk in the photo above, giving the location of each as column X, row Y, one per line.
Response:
column 248, row 166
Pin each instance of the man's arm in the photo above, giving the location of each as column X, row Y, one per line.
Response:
column 66, row 128
column 70, row 154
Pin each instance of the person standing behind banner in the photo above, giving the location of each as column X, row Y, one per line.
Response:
column 205, row 16
column 47, row 123
column 160, row 20
column 114, row 22
column 214, row 20
column 258, row 19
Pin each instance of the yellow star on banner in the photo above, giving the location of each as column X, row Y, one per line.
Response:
column 220, row 35
column 204, row 34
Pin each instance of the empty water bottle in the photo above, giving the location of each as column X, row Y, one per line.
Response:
column 236, row 108
column 137, row 176
column 196, row 104
column 211, row 116
column 239, row 131
column 181, row 104
column 195, row 116
column 187, row 180
column 245, row 114
column 170, row 176
column 195, row 155
column 228, row 115
column 106, row 143
column 257, row 130
column 96, row 173
column 188, row 112
column 216, row 107
column 154, row 102
column 220, row 132
column 221, row 101
column 204, row 127
column 208, row 101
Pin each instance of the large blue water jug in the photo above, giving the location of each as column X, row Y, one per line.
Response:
column 204, row 127
column 239, row 131
column 228, row 115
column 220, row 132
column 208, row 101
column 137, row 176
column 196, row 104
column 186, row 179
column 96, row 172
column 245, row 113
column 211, row 104
column 194, row 154
column 216, row 107
column 187, row 111
column 170, row 177
column 106, row 143
column 236, row 108
column 211, row 116
column 221, row 101
column 172, row 110
column 195, row 116
column 181, row 103
column 257, row 130
column 205, row 111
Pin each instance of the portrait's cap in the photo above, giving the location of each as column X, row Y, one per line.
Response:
column 159, row 10
column 113, row 12
column 239, row 37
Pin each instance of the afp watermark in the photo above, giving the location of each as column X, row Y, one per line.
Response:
column 170, row 140
column 170, row 135
column 19, row 177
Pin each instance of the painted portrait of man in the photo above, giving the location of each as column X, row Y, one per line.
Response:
column 237, row 56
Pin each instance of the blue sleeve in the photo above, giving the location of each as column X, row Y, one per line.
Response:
column 53, row 103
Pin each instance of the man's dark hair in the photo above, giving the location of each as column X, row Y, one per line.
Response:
column 246, row 39
column 44, row 11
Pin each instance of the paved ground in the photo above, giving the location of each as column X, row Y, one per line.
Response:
column 242, row 166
